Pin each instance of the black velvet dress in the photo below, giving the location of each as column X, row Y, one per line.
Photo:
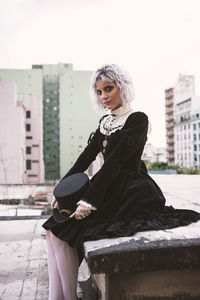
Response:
column 127, row 199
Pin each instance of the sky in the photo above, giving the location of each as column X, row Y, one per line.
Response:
column 154, row 40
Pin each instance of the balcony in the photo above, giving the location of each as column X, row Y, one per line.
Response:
column 169, row 118
column 169, row 101
column 169, row 125
column 169, row 109
column 170, row 157
column 182, row 120
column 170, row 149
column 170, row 134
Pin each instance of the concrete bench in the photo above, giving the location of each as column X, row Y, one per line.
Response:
column 150, row 265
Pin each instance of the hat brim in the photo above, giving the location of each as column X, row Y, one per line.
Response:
column 60, row 217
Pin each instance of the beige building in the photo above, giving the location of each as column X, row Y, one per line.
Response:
column 33, row 140
column 26, row 101
column 77, row 116
column 12, row 136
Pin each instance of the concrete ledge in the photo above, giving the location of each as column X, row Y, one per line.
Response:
column 144, row 255
column 152, row 265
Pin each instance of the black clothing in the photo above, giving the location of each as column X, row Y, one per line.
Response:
column 126, row 197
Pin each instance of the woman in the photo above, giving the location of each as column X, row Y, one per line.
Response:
column 122, row 198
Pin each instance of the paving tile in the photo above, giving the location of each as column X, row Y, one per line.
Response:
column 13, row 290
column 29, row 289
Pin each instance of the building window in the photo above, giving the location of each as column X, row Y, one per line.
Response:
column 28, row 114
column 194, row 126
column 29, row 137
column 35, row 146
column 195, row 147
column 28, row 164
column 195, row 137
column 35, row 161
column 32, row 175
column 28, row 127
column 28, row 150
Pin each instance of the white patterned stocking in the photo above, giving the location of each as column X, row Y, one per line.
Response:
column 63, row 269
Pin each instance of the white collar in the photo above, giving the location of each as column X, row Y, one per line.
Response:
column 116, row 119
column 122, row 110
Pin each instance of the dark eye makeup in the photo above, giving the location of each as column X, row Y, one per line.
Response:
column 107, row 88
column 98, row 92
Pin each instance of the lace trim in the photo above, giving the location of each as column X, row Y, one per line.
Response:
column 112, row 123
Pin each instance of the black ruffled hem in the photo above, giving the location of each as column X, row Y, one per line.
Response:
column 168, row 218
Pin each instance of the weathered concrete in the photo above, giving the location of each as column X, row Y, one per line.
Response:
column 176, row 284
column 23, row 261
column 149, row 265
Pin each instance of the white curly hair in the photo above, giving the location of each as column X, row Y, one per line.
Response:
column 112, row 73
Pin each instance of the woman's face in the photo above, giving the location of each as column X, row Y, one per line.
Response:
column 108, row 93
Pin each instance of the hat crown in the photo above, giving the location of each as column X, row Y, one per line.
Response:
column 67, row 193
column 70, row 185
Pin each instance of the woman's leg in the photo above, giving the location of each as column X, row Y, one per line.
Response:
column 68, row 264
column 55, row 284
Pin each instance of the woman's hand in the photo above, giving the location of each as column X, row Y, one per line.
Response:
column 83, row 210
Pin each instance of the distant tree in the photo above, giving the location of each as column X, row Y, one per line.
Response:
column 161, row 166
column 157, row 166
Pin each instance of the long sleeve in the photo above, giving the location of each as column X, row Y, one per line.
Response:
column 132, row 137
column 87, row 156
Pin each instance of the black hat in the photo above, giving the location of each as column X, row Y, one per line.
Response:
column 67, row 193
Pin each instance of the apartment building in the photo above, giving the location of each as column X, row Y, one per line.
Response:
column 187, row 132
column 196, row 136
column 169, row 124
column 180, row 102
column 21, row 94
column 77, row 117
column 68, row 116
column 12, row 136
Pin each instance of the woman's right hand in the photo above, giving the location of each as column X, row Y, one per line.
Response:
column 53, row 201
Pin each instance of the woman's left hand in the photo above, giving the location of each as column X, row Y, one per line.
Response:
column 82, row 212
